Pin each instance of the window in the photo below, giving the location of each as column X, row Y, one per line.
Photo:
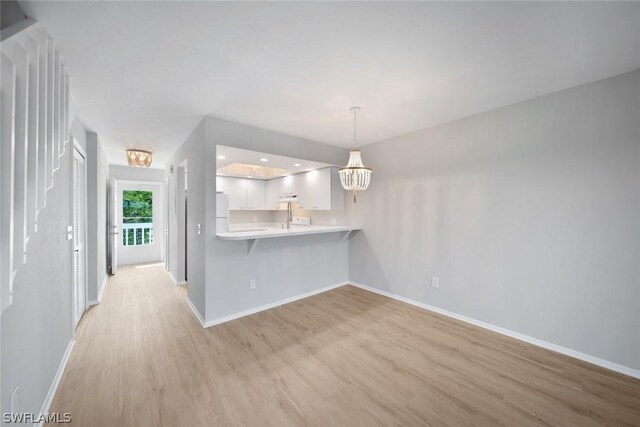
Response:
column 137, row 218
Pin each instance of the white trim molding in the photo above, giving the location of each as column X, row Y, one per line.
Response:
column 521, row 337
column 255, row 310
column 195, row 311
column 56, row 379
column 503, row 331
column 102, row 288
column 173, row 279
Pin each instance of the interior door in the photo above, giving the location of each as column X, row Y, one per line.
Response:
column 79, row 236
column 113, row 226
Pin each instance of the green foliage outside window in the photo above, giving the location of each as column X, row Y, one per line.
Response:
column 137, row 206
column 137, row 218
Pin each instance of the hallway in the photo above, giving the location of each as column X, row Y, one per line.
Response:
column 142, row 359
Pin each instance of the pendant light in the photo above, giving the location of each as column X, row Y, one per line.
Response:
column 355, row 177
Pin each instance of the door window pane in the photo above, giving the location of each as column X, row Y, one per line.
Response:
column 137, row 217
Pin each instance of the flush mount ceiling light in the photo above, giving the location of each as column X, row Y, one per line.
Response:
column 264, row 160
column 221, row 157
column 139, row 158
column 355, row 177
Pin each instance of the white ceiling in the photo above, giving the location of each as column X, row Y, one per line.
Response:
column 143, row 74
column 255, row 158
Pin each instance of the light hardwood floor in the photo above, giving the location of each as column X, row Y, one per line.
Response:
column 342, row 358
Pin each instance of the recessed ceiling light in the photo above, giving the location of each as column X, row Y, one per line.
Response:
column 221, row 157
column 249, row 176
column 297, row 164
column 264, row 160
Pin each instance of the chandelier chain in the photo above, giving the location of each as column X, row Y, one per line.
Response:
column 355, row 112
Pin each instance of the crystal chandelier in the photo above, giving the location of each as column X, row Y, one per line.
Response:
column 355, row 177
column 139, row 158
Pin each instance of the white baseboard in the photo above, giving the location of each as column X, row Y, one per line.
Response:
column 193, row 308
column 102, row 287
column 535, row 341
column 271, row 305
column 182, row 283
column 100, row 292
column 175, row 282
column 56, row 380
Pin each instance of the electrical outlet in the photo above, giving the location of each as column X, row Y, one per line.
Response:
column 253, row 284
column 13, row 406
column 333, row 221
column 435, row 282
column 199, row 229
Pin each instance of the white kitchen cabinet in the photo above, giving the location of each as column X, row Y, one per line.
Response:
column 316, row 190
column 273, row 192
column 290, row 185
column 320, row 190
column 244, row 193
column 275, row 188
column 255, row 194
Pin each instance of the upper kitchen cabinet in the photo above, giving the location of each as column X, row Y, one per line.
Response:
column 320, row 190
column 244, row 193
column 257, row 181
column 256, row 189
column 273, row 193
column 278, row 187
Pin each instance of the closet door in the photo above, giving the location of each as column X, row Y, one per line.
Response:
column 79, row 236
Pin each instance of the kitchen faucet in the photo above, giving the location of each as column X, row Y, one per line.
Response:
column 289, row 215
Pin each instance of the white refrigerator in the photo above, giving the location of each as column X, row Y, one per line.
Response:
column 222, row 213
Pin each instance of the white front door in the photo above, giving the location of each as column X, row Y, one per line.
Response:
column 79, row 237
column 140, row 220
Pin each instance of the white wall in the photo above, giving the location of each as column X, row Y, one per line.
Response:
column 79, row 132
column 37, row 326
column 283, row 267
column 127, row 173
column 193, row 151
column 527, row 214
column 97, row 184
column 219, row 271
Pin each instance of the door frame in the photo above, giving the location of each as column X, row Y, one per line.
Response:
column 112, row 227
column 165, row 226
column 74, row 322
column 181, row 222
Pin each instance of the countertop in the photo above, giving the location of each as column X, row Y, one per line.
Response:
column 295, row 230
